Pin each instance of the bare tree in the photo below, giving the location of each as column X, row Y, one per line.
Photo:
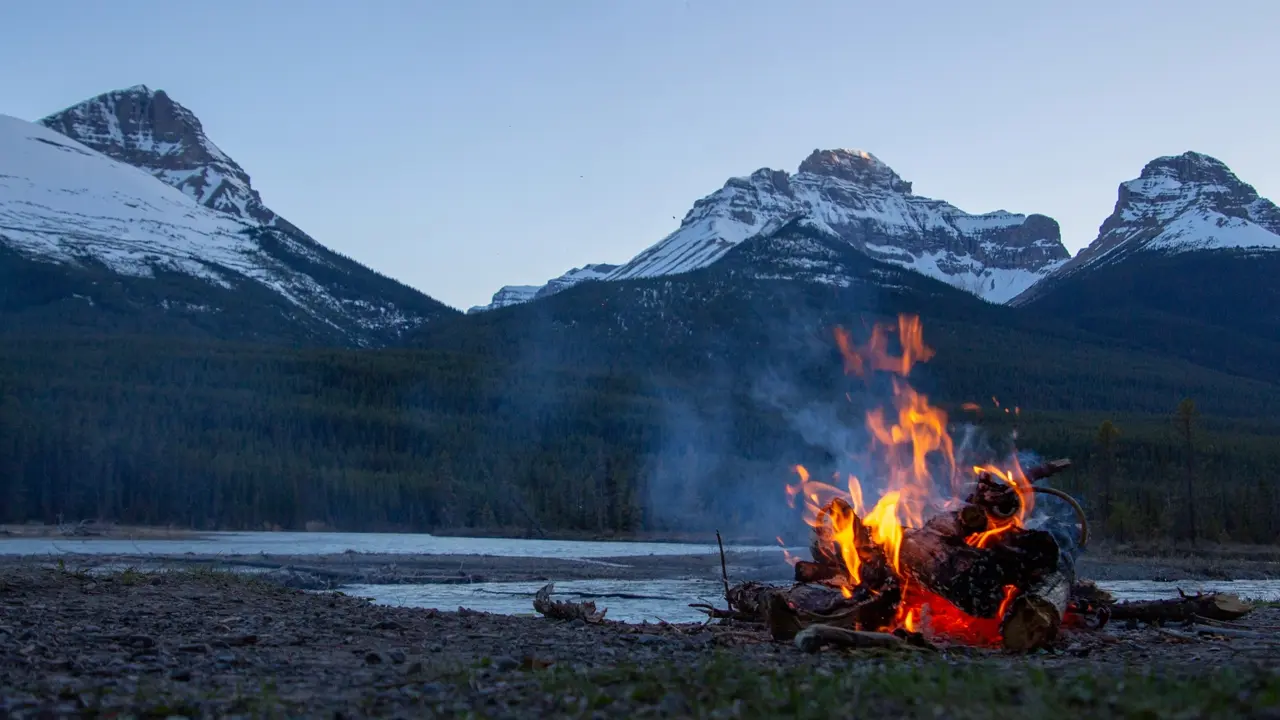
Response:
column 1185, row 420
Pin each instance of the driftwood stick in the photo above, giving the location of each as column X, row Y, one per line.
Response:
column 815, row 637
column 1237, row 633
column 724, row 569
column 716, row 613
column 1226, row 623
column 1214, row 606
column 559, row 610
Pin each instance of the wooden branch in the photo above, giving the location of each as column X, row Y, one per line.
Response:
column 815, row 637
column 1214, row 606
column 724, row 569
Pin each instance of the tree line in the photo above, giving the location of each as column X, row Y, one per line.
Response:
column 214, row 435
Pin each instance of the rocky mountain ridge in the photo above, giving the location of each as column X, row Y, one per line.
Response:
column 994, row 255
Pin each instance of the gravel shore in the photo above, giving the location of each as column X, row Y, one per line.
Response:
column 214, row 644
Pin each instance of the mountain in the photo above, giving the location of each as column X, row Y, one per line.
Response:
column 1185, row 264
column 148, row 130
column 88, row 240
column 515, row 294
column 760, row 319
column 994, row 255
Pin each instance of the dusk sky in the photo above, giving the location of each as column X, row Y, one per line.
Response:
column 462, row 145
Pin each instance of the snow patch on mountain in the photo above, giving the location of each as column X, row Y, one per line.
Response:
column 63, row 201
column 516, row 294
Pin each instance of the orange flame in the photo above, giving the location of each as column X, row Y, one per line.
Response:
column 910, row 444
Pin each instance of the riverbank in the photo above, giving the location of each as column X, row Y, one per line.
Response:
column 204, row 644
column 102, row 531
column 329, row 571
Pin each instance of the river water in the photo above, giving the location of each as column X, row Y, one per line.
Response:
column 306, row 543
column 627, row 600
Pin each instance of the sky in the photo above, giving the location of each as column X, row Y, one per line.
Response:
column 462, row 145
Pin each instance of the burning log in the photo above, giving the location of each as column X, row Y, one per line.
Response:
column 816, row 572
column 1034, row 617
column 974, row 578
column 1212, row 606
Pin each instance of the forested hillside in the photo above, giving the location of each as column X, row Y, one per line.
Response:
column 218, row 435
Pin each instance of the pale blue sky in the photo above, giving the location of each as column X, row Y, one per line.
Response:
column 463, row 145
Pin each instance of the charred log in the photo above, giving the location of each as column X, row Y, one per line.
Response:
column 972, row 578
column 788, row 610
column 816, row 572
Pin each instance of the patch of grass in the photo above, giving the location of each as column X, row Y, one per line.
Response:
column 130, row 576
column 986, row 689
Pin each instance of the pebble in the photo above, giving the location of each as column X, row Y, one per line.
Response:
column 504, row 663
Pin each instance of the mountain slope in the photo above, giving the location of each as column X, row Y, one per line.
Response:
column 93, row 227
column 760, row 321
column 1185, row 265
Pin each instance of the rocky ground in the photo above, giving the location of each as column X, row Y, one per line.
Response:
column 201, row 643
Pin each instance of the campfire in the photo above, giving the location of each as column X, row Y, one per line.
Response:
column 943, row 550
column 947, row 552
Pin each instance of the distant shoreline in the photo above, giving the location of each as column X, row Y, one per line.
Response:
column 93, row 531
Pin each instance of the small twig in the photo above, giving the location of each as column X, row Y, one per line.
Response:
column 715, row 613
column 724, row 569
column 1233, row 632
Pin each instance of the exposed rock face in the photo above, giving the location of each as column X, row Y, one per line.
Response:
column 508, row 295
column 515, row 294
column 994, row 255
column 150, row 131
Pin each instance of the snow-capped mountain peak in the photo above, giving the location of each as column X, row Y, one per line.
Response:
column 147, row 197
column 856, row 166
column 994, row 255
column 147, row 129
column 1183, row 203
